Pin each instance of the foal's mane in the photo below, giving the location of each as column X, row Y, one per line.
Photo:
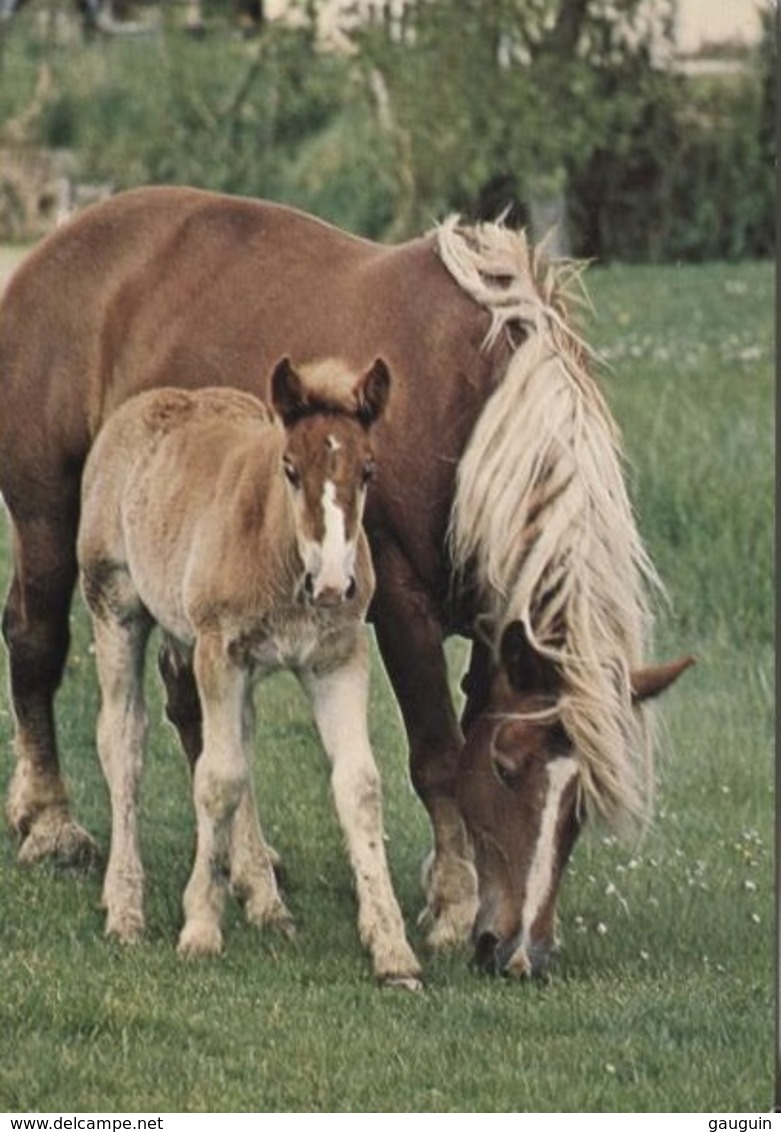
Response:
column 542, row 522
column 329, row 386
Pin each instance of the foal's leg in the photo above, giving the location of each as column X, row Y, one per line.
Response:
column 411, row 643
column 252, row 861
column 220, row 780
column 340, row 703
column 35, row 628
column 120, row 644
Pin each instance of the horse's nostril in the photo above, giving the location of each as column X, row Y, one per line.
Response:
column 309, row 584
column 349, row 593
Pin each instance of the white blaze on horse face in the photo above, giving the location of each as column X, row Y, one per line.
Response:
column 331, row 562
column 561, row 772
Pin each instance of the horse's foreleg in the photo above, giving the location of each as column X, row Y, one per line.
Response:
column 340, row 703
column 253, row 863
column 120, row 645
column 411, row 643
column 220, row 780
column 35, row 628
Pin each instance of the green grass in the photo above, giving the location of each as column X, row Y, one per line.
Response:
column 662, row 997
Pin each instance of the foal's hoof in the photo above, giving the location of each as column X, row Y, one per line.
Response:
column 264, row 911
column 125, row 929
column 199, row 941
column 284, row 924
column 403, row 982
column 60, row 838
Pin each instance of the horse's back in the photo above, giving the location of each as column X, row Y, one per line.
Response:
column 173, row 286
column 172, row 439
column 192, row 288
column 89, row 317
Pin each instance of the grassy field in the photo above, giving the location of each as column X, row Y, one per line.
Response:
column 663, row 996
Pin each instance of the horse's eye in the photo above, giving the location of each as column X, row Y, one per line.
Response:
column 292, row 475
column 507, row 772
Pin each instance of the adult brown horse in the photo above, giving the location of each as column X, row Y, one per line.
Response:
column 501, row 500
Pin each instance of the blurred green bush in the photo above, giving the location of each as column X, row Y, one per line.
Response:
column 384, row 140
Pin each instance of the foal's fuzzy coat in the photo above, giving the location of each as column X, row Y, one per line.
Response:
column 243, row 541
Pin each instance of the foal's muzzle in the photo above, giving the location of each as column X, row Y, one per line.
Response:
column 330, row 595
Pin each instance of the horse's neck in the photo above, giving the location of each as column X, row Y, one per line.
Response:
column 263, row 506
column 248, row 535
column 279, row 538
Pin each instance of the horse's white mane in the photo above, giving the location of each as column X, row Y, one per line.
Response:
column 541, row 521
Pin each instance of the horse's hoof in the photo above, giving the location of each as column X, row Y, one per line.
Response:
column 451, row 903
column 282, row 923
column 286, row 925
column 275, row 915
column 447, row 932
column 59, row 838
column 404, row 982
column 125, row 930
column 199, row 941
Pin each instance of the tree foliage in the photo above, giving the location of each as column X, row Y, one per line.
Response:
column 473, row 105
column 487, row 93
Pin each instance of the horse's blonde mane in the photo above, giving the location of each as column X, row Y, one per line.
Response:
column 541, row 521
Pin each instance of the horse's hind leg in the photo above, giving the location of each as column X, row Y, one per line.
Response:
column 253, row 863
column 340, row 703
column 120, row 643
column 35, row 628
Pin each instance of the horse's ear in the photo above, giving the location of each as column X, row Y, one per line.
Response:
column 371, row 393
column 288, row 395
column 526, row 668
column 656, row 678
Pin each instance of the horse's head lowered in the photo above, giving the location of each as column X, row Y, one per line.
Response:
column 520, row 796
column 327, row 463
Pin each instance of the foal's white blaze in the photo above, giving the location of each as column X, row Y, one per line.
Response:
column 334, row 558
column 561, row 771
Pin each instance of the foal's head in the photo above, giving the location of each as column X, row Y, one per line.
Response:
column 519, row 793
column 328, row 463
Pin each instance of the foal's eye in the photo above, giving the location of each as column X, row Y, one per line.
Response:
column 292, row 475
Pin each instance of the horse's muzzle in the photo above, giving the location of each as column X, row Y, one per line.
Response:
column 329, row 596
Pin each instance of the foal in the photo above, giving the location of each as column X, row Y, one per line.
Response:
column 242, row 540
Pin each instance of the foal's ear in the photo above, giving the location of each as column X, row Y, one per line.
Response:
column 288, row 394
column 656, row 678
column 526, row 668
column 371, row 393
